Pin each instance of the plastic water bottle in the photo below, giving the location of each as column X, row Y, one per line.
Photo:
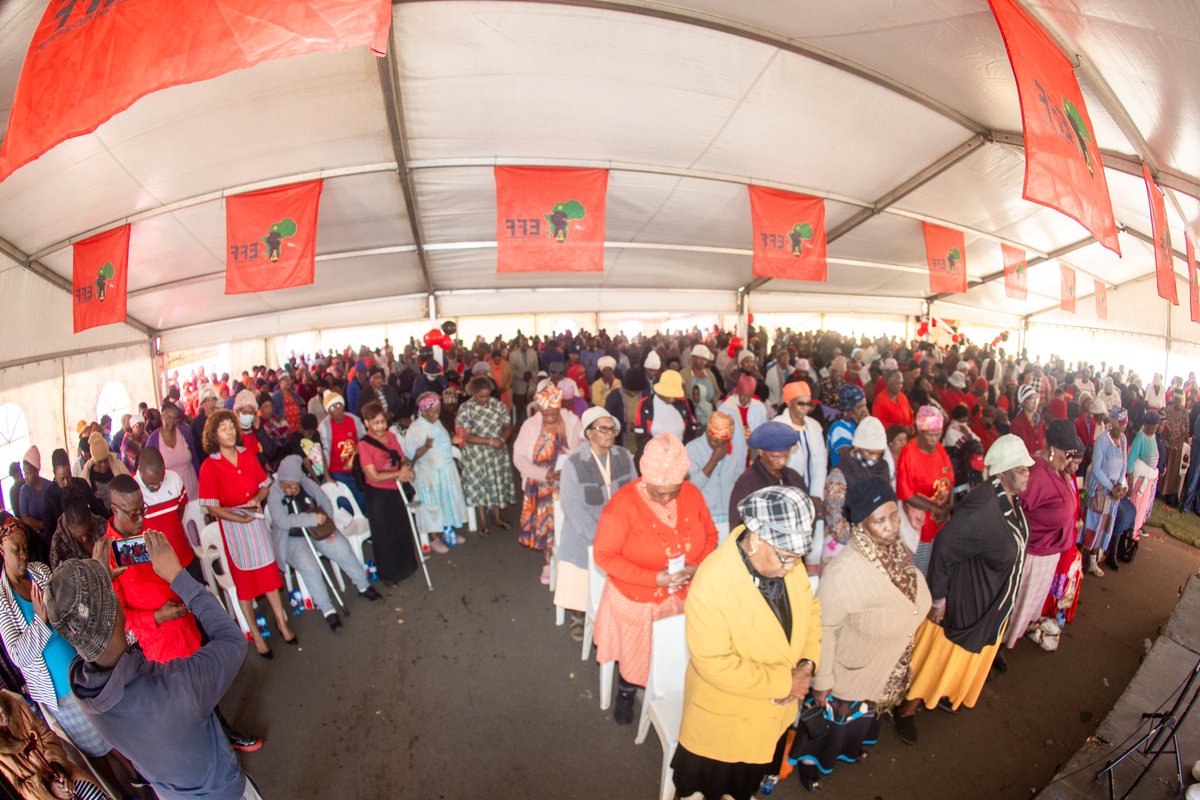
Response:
column 372, row 572
column 262, row 626
column 296, row 603
column 450, row 536
column 768, row 784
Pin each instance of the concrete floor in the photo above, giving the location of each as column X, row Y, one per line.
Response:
column 471, row 691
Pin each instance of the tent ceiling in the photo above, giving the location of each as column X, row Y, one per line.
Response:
column 686, row 102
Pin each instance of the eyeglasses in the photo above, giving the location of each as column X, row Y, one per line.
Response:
column 607, row 430
column 788, row 561
column 139, row 513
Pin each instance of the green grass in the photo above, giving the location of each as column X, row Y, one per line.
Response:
column 1184, row 527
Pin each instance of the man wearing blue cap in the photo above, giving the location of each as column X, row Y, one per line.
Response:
column 772, row 444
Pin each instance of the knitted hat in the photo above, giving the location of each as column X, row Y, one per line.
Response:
column 866, row 495
column 98, row 446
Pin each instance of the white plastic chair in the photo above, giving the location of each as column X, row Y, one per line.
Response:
column 560, row 615
column 213, row 548
column 193, row 523
column 596, row 579
column 662, row 703
column 354, row 526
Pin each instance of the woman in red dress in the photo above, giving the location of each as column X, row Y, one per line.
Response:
column 232, row 488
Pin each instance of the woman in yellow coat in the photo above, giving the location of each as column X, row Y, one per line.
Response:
column 754, row 637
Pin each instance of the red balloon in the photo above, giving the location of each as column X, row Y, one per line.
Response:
column 933, row 322
column 733, row 351
column 923, row 329
column 735, row 344
column 750, row 318
column 447, row 343
column 434, row 337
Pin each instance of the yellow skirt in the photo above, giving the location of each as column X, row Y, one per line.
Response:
column 941, row 668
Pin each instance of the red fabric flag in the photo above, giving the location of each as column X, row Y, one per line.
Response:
column 100, row 279
column 946, row 252
column 1067, row 287
column 1193, row 285
column 1101, row 300
column 271, row 238
column 91, row 60
column 1164, row 257
column 1063, row 169
column 1016, row 272
column 550, row 219
column 789, row 235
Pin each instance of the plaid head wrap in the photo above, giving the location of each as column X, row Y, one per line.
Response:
column 783, row 516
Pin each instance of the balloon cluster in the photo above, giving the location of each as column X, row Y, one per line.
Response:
column 442, row 338
column 1003, row 337
column 735, row 344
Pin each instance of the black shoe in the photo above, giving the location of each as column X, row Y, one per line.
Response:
column 267, row 655
column 370, row 594
column 945, row 705
column 295, row 640
column 334, row 621
column 1111, row 563
column 1001, row 663
column 906, row 729
column 244, row 743
column 623, row 711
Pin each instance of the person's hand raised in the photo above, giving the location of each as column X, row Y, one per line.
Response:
column 162, row 556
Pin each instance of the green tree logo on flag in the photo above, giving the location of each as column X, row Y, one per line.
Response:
column 1083, row 136
column 1071, row 288
column 952, row 259
column 800, row 233
column 560, row 218
column 281, row 230
column 103, row 276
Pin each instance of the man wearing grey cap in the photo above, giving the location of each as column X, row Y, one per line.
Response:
column 159, row 715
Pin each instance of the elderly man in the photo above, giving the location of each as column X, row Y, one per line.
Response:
column 772, row 444
column 177, row 745
column 302, row 519
column 714, row 470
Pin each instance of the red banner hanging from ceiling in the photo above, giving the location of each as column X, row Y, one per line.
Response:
column 550, row 219
column 90, row 60
column 271, row 238
column 1063, row 169
column 946, row 253
column 1066, row 287
column 1193, row 285
column 1016, row 272
column 1160, row 231
column 1101, row 300
column 100, row 279
column 789, row 235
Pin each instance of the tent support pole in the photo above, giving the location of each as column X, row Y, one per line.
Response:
column 743, row 299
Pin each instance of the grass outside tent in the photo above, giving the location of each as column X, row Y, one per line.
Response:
column 1183, row 526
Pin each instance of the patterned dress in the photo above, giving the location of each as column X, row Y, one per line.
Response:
column 537, row 511
column 487, row 472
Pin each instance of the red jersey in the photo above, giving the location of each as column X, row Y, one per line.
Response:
column 344, row 438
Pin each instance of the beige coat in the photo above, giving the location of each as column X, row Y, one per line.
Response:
column 867, row 625
column 741, row 659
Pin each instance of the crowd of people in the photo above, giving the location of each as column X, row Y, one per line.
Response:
column 853, row 529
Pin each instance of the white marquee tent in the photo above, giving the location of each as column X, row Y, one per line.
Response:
column 894, row 112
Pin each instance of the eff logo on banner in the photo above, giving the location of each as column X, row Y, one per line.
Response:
column 271, row 238
column 789, row 235
column 550, row 219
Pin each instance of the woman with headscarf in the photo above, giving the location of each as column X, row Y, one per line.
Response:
column 441, row 506
column 606, row 382
column 1029, row 423
column 1109, row 393
column 590, row 477
column 754, row 641
column 1172, row 433
column 702, row 405
column 872, row 598
column 1142, row 469
column 852, row 403
column 1105, row 487
column 652, row 535
column 1156, row 393
column 924, row 483
column 571, row 400
column 747, row 411
column 133, row 441
column 810, row 458
column 544, row 439
column 484, row 423
column 973, row 574
column 864, row 460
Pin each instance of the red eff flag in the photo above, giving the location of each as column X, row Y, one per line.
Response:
column 1062, row 159
column 946, row 252
column 789, row 235
column 271, row 238
column 1164, row 257
column 1016, row 272
column 550, row 219
column 1067, row 289
column 1101, row 300
column 90, row 59
column 1193, row 286
column 100, row 279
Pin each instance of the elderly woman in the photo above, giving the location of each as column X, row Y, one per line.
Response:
column 977, row 559
column 1105, row 487
column 544, row 439
column 175, row 444
column 590, row 477
column 754, row 640
column 853, row 405
column 607, row 382
column 233, row 487
column 924, row 479
column 873, row 598
column 383, row 465
column 484, row 423
column 747, row 411
column 571, row 399
column 651, row 537
column 1142, row 468
column 1051, row 506
column 442, row 507
column 1173, row 432
column 864, row 460
column 1028, row 423
column 32, row 758
column 134, row 441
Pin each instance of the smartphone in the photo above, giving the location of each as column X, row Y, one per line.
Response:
column 131, row 551
column 251, row 511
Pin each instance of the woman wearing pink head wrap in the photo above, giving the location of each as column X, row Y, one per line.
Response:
column 652, row 536
column 543, row 440
column 571, row 398
column 924, row 479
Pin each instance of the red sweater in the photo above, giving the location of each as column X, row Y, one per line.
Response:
column 632, row 544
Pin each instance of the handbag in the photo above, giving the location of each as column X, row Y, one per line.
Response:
column 1097, row 501
column 323, row 531
column 813, row 720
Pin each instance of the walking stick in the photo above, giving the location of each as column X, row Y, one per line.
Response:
column 317, row 556
column 412, row 526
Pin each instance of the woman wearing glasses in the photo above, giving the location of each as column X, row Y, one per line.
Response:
column 1051, row 504
column 754, row 641
column 590, row 477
